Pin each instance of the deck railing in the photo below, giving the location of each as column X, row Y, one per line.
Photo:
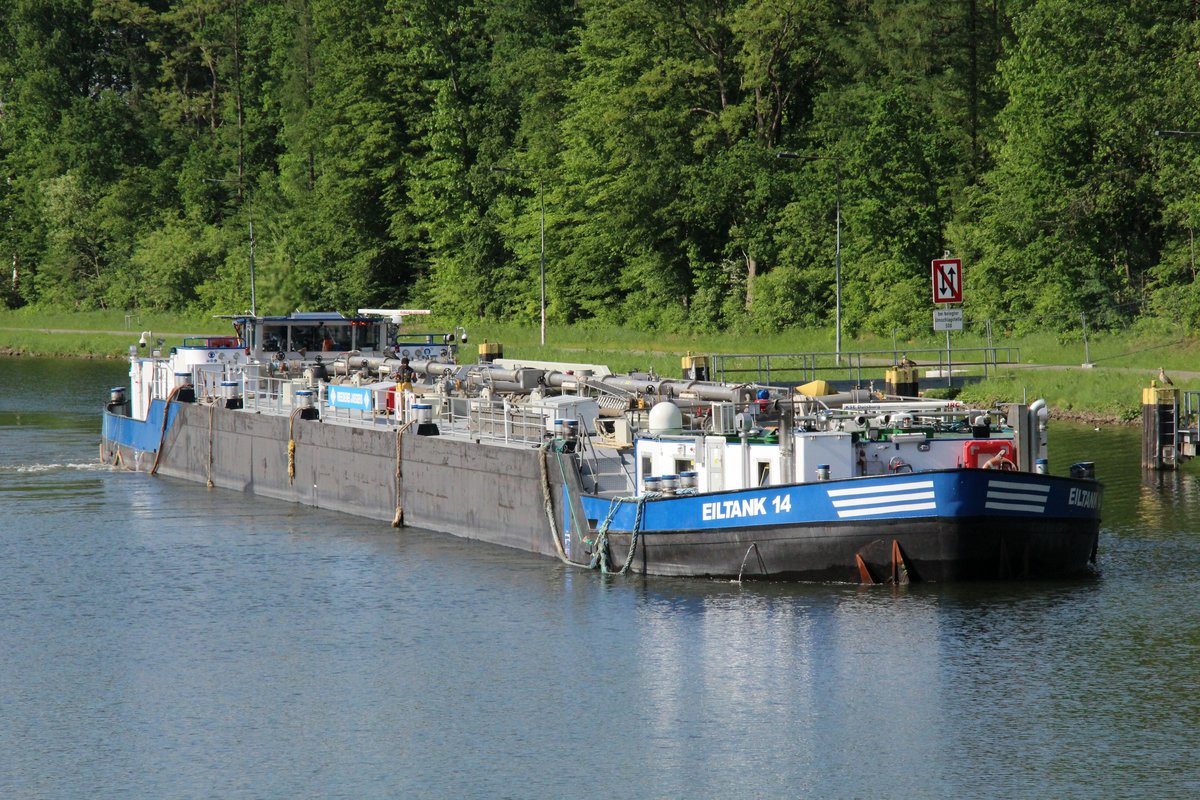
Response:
column 859, row 367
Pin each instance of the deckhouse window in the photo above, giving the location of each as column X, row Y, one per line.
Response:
column 337, row 337
column 764, row 473
column 274, row 338
column 366, row 336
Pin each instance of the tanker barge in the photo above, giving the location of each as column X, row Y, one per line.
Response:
column 626, row 473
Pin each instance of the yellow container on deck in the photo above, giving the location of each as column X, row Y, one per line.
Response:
column 695, row 368
column 490, row 351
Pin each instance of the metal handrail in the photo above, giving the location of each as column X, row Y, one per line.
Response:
column 768, row 367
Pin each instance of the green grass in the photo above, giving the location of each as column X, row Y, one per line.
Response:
column 97, row 334
column 1073, row 391
column 1104, row 349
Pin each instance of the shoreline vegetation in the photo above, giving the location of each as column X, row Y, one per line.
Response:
column 1045, row 365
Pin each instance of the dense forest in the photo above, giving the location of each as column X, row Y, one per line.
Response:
column 691, row 159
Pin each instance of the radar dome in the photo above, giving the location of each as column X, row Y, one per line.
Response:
column 666, row 418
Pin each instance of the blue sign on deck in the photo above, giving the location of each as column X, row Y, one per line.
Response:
column 350, row 397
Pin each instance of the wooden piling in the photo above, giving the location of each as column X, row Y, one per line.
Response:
column 901, row 381
column 1160, row 427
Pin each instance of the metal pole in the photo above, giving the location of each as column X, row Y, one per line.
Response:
column 949, row 363
column 1087, row 356
column 542, row 225
column 238, row 181
column 991, row 352
column 837, row 270
column 837, row 258
column 253, row 301
column 542, row 205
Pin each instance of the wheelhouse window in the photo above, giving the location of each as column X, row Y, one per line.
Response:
column 307, row 337
column 274, row 338
column 366, row 335
column 333, row 337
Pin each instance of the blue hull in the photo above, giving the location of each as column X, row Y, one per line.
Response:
column 947, row 525
column 955, row 524
column 141, row 436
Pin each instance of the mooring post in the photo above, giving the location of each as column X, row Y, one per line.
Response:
column 1160, row 428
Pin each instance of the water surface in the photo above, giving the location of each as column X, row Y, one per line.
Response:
column 164, row 640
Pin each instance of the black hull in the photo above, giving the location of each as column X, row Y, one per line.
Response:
column 943, row 549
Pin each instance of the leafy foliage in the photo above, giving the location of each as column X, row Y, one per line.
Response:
column 695, row 166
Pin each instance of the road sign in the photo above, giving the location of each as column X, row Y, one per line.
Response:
column 947, row 280
column 947, row 319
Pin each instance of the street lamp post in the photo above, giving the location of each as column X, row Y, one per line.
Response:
column 1169, row 134
column 253, row 298
column 542, row 227
column 837, row 253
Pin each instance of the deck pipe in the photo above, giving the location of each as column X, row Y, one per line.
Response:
column 525, row 379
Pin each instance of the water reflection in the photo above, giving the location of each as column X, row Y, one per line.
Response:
column 1167, row 499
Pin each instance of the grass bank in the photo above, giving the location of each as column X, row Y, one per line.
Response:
column 1049, row 365
column 94, row 334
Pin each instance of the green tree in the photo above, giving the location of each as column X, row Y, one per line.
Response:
column 1066, row 217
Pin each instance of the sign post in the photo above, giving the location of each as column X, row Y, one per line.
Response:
column 947, row 288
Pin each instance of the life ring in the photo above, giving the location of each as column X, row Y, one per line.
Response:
column 1000, row 462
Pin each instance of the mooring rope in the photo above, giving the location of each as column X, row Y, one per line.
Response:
column 292, row 445
column 212, row 410
column 570, row 506
column 398, row 519
column 162, row 433
column 548, row 503
column 600, row 556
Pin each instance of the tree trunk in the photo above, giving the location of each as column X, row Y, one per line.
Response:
column 751, row 274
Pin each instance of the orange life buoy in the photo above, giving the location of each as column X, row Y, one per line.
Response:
column 1001, row 463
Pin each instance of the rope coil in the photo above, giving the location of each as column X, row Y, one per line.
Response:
column 600, row 557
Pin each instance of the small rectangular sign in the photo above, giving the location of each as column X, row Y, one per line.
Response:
column 947, row 280
column 355, row 397
column 947, row 319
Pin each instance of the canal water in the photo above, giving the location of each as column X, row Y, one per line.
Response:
column 162, row 640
